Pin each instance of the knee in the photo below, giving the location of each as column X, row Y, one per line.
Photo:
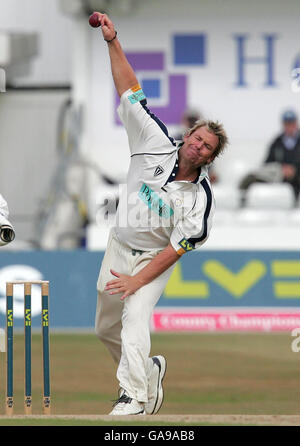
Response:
column 246, row 181
column 133, row 325
column 100, row 325
column 100, row 330
column 106, row 332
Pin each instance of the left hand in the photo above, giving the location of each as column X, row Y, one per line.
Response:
column 123, row 284
column 288, row 171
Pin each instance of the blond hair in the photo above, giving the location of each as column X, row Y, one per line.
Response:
column 217, row 129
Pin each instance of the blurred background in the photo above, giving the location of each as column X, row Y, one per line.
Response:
column 65, row 154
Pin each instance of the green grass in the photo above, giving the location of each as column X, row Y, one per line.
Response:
column 206, row 374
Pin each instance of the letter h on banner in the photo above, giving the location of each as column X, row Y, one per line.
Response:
column 242, row 60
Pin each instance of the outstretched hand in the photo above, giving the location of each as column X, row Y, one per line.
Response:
column 107, row 26
column 123, row 284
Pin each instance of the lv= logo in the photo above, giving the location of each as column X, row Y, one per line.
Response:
column 28, row 317
column 45, row 318
column 237, row 284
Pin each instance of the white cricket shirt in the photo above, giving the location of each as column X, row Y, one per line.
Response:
column 155, row 210
column 3, row 212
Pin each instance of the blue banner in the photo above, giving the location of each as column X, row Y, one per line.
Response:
column 72, row 276
column 200, row 279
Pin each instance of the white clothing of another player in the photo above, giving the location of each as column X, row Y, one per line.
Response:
column 165, row 212
column 7, row 233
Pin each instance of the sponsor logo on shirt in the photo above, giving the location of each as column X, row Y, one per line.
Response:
column 159, row 170
column 154, row 202
column 187, row 246
column 136, row 97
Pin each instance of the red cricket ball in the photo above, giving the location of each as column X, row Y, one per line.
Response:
column 94, row 20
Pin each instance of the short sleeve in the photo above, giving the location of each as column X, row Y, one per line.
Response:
column 191, row 232
column 146, row 133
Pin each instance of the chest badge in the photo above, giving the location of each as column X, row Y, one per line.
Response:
column 159, row 170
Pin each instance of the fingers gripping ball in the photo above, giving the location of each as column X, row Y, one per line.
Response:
column 94, row 20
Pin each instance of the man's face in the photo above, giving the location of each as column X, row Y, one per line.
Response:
column 199, row 147
column 290, row 127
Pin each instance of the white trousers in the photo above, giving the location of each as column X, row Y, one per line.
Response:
column 124, row 326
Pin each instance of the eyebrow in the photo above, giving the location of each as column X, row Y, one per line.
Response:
column 205, row 142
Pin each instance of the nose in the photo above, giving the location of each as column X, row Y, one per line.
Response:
column 199, row 144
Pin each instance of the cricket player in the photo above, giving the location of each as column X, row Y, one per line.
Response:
column 165, row 212
column 7, row 233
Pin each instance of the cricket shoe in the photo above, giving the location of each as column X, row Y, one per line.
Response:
column 127, row 406
column 155, row 388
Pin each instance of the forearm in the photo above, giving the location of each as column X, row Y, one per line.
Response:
column 158, row 265
column 122, row 72
column 127, row 285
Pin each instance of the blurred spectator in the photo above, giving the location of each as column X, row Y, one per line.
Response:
column 188, row 120
column 283, row 160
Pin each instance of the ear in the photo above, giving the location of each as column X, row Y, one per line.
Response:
column 211, row 159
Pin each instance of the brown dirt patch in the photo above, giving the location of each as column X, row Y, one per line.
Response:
column 259, row 420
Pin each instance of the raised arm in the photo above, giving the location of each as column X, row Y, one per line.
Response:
column 123, row 74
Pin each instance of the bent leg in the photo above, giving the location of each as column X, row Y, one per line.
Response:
column 136, row 345
column 109, row 307
column 108, row 323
